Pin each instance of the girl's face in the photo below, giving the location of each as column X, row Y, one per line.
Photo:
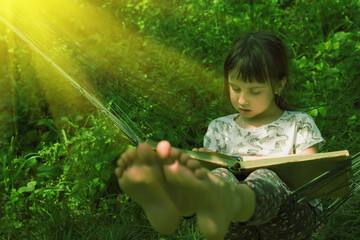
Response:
column 252, row 100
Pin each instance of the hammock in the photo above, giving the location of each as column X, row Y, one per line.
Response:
column 118, row 107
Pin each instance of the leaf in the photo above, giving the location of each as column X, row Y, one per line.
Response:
column 339, row 36
column 96, row 181
column 314, row 112
column 29, row 188
column 79, row 118
column 98, row 166
column 102, row 187
column 48, row 171
column 41, row 122
column 32, row 184
column 353, row 117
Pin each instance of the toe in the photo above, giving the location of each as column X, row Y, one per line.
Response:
column 119, row 161
column 122, row 163
column 184, row 159
column 200, row 173
column 163, row 149
column 146, row 153
column 193, row 164
column 127, row 158
column 174, row 155
column 130, row 155
column 122, row 158
column 119, row 172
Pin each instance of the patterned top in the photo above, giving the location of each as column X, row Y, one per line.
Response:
column 292, row 133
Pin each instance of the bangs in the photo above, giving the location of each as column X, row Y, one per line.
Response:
column 249, row 70
column 252, row 64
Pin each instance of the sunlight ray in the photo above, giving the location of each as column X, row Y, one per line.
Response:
column 29, row 24
column 75, row 41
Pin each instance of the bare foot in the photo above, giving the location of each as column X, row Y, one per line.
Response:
column 183, row 201
column 217, row 202
column 141, row 176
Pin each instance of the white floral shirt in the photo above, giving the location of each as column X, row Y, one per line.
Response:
column 292, row 133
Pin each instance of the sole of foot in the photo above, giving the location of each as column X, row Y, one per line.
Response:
column 140, row 175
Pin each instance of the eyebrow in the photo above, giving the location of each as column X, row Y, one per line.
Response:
column 234, row 84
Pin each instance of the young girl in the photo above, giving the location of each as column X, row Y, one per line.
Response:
column 169, row 185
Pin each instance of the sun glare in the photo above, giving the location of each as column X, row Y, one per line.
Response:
column 60, row 34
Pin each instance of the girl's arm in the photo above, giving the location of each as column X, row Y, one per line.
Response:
column 311, row 150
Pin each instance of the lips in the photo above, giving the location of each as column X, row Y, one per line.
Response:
column 244, row 109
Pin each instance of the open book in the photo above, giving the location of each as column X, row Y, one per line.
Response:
column 294, row 170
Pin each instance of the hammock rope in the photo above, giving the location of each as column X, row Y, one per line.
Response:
column 351, row 166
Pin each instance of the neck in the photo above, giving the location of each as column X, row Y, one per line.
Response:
column 270, row 115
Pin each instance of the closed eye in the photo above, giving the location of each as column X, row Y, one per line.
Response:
column 236, row 89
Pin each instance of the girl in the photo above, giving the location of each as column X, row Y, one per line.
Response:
column 258, row 207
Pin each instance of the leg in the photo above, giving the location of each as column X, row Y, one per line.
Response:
column 217, row 202
column 270, row 192
column 290, row 220
column 277, row 214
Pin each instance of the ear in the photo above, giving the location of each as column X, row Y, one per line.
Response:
column 281, row 85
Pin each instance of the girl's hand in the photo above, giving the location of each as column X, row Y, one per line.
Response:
column 201, row 150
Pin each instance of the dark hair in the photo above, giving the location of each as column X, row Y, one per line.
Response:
column 258, row 56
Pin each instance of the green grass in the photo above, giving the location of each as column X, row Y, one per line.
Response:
column 56, row 167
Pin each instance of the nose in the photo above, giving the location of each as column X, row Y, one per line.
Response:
column 242, row 100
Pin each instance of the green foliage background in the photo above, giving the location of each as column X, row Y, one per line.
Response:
column 56, row 171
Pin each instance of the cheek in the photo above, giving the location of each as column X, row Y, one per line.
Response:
column 259, row 102
column 233, row 97
column 267, row 100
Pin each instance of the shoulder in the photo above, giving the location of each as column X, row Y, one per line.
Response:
column 222, row 124
column 229, row 119
column 218, row 129
column 294, row 116
column 305, row 124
